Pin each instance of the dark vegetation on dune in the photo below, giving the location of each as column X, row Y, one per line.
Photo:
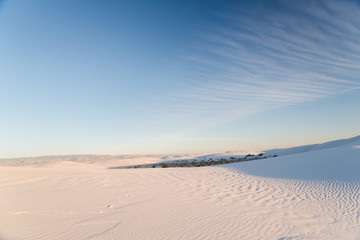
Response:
column 198, row 163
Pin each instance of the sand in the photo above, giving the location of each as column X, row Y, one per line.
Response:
column 287, row 197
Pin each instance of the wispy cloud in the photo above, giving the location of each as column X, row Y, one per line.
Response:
column 260, row 59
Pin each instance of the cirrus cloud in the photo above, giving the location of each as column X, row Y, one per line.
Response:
column 260, row 59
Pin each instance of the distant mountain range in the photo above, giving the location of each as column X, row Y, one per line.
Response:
column 89, row 158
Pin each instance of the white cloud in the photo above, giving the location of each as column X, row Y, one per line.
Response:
column 254, row 63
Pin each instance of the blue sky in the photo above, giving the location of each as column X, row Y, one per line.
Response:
column 138, row 77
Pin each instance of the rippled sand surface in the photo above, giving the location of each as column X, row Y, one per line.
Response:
column 289, row 197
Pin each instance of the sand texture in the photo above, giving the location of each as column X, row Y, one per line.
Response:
column 309, row 195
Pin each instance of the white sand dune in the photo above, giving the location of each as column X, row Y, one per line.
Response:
column 327, row 164
column 355, row 141
column 311, row 195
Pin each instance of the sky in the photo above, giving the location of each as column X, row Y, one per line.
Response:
column 166, row 77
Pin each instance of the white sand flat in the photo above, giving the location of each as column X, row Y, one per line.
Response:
column 312, row 195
